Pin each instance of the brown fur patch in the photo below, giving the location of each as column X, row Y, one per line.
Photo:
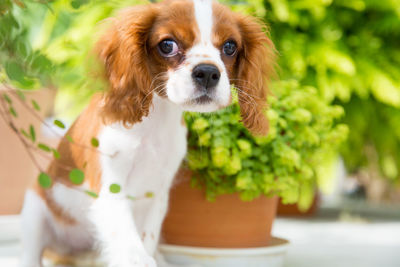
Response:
column 123, row 51
column 252, row 66
column 76, row 154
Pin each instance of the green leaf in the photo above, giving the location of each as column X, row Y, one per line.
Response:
column 69, row 138
column 24, row 133
column 44, row 147
column 56, row 154
column 22, row 48
column 7, row 98
column 200, row 124
column 115, row 188
column 21, row 94
column 78, row 3
column 35, row 105
column 76, row 176
column 219, row 156
column 149, row 194
column 14, row 71
column 27, row 83
column 92, row 194
column 12, row 22
column 131, row 197
column 13, row 112
column 44, row 180
column 75, row 4
column 32, row 132
column 59, row 124
column 94, row 142
column 41, row 63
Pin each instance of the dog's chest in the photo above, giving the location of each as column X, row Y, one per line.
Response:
column 156, row 160
column 148, row 153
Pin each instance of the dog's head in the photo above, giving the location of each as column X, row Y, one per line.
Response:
column 189, row 51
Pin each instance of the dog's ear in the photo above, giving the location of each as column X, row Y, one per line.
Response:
column 255, row 66
column 122, row 49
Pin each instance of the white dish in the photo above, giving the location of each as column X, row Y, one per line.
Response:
column 9, row 228
column 271, row 256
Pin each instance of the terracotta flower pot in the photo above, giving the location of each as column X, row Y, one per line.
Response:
column 292, row 210
column 226, row 223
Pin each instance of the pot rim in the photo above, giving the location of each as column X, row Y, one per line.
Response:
column 277, row 246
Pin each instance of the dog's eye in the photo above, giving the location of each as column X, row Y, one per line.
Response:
column 168, row 48
column 229, row 48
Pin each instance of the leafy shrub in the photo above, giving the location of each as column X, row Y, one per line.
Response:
column 49, row 43
column 20, row 64
column 226, row 158
column 373, row 143
column 349, row 50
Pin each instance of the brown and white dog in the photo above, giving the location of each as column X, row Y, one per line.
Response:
column 160, row 60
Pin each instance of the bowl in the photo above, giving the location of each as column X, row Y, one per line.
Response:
column 271, row 256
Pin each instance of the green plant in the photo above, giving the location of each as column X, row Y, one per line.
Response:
column 349, row 51
column 48, row 43
column 70, row 30
column 226, row 158
column 373, row 144
column 20, row 64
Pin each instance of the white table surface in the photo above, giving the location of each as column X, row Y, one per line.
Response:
column 326, row 243
column 317, row 242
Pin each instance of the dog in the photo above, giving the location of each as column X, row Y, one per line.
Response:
column 160, row 59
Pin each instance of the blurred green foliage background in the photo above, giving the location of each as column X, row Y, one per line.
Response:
column 347, row 49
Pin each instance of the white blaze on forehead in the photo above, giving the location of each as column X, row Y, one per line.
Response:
column 181, row 88
column 203, row 14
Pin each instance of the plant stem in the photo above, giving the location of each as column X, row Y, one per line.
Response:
column 6, row 117
column 12, row 91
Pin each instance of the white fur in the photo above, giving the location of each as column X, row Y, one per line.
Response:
column 145, row 159
column 41, row 230
column 78, row 202
column 139, row 167
column 180, row 86
column 203, row 14
column 34, row 235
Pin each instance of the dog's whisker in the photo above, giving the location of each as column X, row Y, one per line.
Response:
column 246, row 98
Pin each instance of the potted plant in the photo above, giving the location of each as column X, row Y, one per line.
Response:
column 227, row 190
column 353, row 61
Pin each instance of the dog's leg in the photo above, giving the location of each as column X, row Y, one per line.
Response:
column 112, row 215
column 36, row 234
column 119, row 240
column 153, row 223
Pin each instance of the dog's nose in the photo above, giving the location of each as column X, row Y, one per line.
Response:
column 206, row 75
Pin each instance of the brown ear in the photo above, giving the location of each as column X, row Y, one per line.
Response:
column 123, row 51
column 256, row 62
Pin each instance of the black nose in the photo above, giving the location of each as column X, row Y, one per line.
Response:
column 206, row 75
